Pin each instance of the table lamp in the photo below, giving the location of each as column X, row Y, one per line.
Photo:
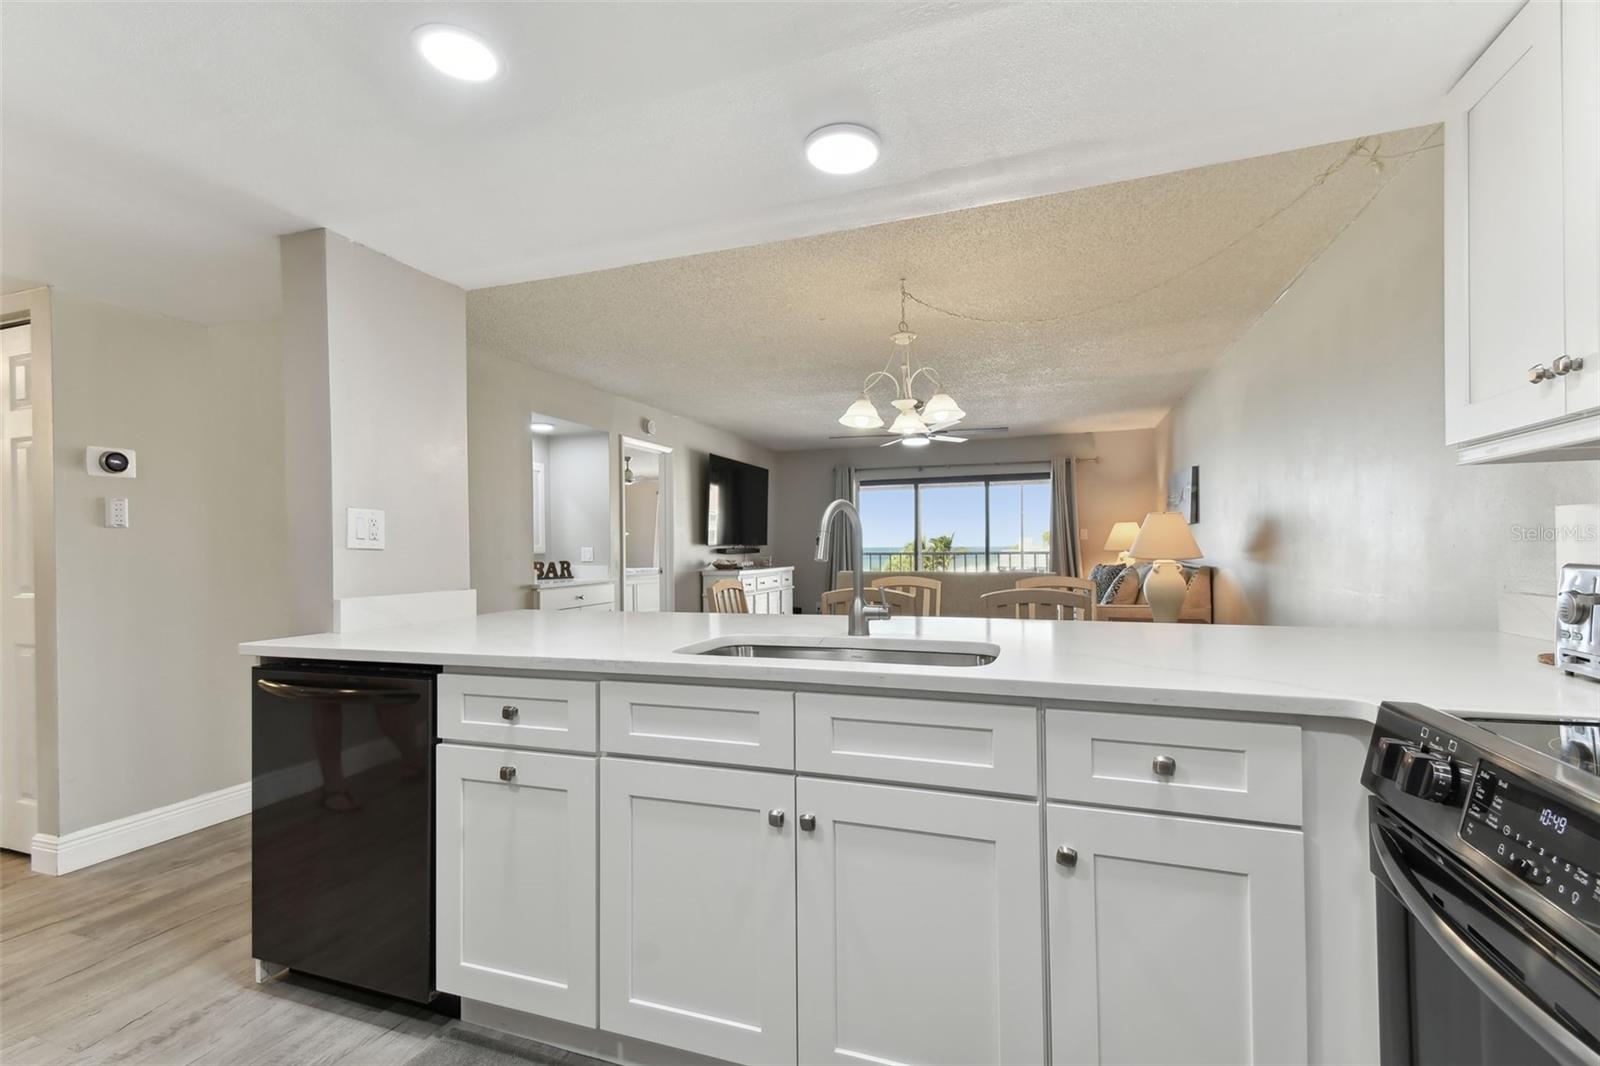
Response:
column 1164, row 538
column 1120, row 540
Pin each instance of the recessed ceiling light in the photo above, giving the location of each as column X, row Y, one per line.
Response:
column 842, row 148
column 542, row 427
column 456, row 52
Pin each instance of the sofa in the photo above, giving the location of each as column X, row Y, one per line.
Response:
column 961, row 594
column 1133, row 608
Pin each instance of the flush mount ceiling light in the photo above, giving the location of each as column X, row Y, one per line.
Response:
column 456, row 52
column 542, row 427
column 842, row 148
column 916, row 422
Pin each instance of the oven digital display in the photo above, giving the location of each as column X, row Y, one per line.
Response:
column 1551, row 848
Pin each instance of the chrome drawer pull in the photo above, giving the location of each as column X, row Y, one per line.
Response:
column 1066, row 856
column 808, row 822
column 508, row 773
column 775, row 818
column 509, row 712
column 1163, row 766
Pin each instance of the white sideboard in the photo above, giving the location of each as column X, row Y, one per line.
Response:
column 599, row 595
column 767, row 589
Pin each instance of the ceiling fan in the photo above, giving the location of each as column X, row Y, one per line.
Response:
column 935, row 433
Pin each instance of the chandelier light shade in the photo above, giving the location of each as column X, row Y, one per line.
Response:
column 907, row 422
column 943, row 408
column 861, row 415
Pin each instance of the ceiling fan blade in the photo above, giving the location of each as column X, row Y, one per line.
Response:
column 890, row 443
column 945, row 438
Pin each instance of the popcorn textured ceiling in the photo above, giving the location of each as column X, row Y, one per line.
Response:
column 1145, row 282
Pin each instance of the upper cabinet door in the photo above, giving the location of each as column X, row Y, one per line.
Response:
column 1580, row 82
column 920, row 936
column 1175, row 940
column 1504, row 238
column 697, row 909
column 516, row 880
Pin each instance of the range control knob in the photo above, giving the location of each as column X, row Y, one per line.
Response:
column 1429, row 777
column 1386, row 757
column 1574, row 607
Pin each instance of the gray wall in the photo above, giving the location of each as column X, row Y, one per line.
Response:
column 501, row 394
column 1328, row 496
column 376, row 381
column 153, row 702
column 1120, row 486
column 579, row 492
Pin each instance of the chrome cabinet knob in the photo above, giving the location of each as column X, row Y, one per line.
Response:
column 1566, row 364
column 509, row 712
column 1066, row 856
column 508, row 773
column 1163, row 766
column 1539, row 372
column 775, row 818
column 808, row 822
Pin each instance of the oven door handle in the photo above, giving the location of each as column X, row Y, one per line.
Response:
column 1496, row 986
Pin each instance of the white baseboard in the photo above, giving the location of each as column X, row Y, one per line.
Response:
column 85, row 847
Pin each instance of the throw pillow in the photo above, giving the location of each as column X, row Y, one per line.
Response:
column 1103, row 575
column 1124, row 587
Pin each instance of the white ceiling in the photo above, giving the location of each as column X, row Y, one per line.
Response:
column 1106, row 303
column 152, row 151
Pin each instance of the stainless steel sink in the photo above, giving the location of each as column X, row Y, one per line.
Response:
column 854, row 653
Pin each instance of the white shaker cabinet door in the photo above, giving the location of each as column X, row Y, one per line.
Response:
column 1175, row 940
column 516, row 889
column 1504, row 232
column 697, row 909
column 920, row 935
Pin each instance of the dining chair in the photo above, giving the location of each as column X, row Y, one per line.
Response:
column 843, row 579
column 929, row 592
column 1061, row 581
column 837, row 601
column 727, row 597
column 1059, row 604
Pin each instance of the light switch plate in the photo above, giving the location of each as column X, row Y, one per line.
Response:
column 116, row 512
column 586, row 555
column 364, row 529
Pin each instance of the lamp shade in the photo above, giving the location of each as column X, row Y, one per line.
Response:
column 943, row 408
column 1122, row 535
column 908, row 422
column 861, row 415
column 1165, row 535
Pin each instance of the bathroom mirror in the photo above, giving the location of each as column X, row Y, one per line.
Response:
column 646, row 469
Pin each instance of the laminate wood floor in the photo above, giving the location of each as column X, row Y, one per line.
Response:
column 146, row 959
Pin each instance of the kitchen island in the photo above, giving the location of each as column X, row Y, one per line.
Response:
column 1111, row 843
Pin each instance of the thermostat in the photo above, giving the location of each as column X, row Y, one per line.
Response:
column 111, row 462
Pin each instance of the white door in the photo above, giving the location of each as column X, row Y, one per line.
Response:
column 19, row 790
column 1504, row 232
column 697, row 908
column 920, row 934
column 1175, row 940
column 516, row 880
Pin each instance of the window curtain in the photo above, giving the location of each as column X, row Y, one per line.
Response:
column 844, row 488
column 1066, row 555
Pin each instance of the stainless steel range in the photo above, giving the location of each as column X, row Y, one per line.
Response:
column 1578, row 620
column 1485, row 840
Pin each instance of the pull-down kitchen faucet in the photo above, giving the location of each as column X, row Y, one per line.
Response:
column 860, row 613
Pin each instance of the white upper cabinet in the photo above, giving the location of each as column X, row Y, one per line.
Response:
column 920, row 936
column 1521, row 307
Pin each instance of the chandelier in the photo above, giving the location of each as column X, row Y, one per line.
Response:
column 917, row 421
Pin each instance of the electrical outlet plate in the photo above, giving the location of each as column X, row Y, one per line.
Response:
column 364, row 529
column 116, row 512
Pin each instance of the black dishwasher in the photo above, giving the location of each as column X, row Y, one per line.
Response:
column 342, row 826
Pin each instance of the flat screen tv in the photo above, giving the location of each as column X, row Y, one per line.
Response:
column 736, row 504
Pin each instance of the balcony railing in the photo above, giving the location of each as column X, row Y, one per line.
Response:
column 960, row 562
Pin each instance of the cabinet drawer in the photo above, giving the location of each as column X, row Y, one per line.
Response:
column 1242, row 770
column 981, row 747
column 561, row 599
column 734, row 726
column 769, row 581
column 526, row 712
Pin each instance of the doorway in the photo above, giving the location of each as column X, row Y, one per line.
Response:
column 646, row 526
column 19, row 467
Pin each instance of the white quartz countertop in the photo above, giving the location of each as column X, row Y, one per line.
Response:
column 1264, row 669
